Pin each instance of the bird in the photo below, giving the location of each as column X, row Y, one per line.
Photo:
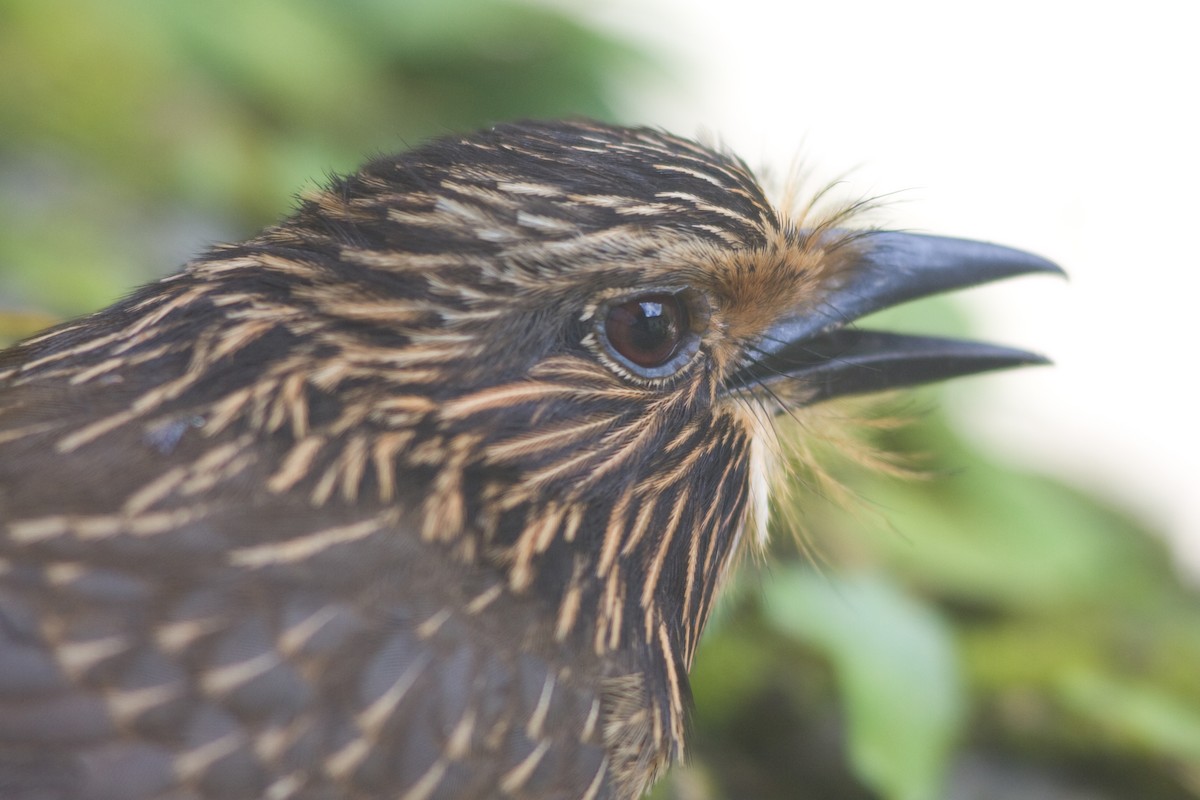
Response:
column 428, row 490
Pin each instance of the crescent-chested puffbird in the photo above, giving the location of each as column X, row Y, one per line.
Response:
column 428, row 490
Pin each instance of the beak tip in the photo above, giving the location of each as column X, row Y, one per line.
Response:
column 1044, row 265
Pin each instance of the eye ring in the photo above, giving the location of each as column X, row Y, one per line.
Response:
column 652, row 333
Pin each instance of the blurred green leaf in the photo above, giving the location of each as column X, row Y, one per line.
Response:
column 1140, row 715
column 896, row 668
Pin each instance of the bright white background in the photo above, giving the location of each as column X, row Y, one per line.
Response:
column 1069, row 129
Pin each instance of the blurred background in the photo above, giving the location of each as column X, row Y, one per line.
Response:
column 1023, row 623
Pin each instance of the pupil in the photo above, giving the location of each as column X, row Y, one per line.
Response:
column 654, row 326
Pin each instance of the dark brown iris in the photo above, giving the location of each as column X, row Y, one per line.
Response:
column 647, row 329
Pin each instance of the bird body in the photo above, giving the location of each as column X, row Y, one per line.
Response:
column 427, row 491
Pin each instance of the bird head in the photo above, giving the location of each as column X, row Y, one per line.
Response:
column 556, row 349
column 550, row 353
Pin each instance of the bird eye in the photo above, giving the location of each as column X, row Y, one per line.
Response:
column 651, row 333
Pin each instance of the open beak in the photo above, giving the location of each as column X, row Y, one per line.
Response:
column 819, row 348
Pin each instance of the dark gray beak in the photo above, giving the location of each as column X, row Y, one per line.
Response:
column 818, row 348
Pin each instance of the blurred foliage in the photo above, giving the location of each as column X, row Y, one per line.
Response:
column 982, row 633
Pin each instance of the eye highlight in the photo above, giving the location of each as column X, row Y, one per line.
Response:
column 653, row 334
